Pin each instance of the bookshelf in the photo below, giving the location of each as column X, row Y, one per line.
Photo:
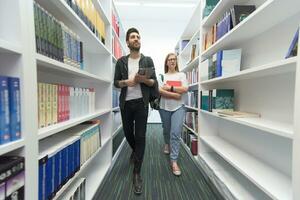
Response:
column 267, row 84
column 19, row 58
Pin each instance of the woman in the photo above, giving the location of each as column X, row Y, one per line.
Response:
column 172, row 112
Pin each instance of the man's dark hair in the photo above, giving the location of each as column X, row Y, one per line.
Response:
column 129, row 31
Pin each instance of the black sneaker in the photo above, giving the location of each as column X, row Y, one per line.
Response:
column 137, row 183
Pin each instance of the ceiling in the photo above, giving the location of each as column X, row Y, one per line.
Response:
column 156, row 10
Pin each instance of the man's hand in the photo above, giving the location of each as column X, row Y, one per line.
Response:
column 130, row 82
column 140, row 78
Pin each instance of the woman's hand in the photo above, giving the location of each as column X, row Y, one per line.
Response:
column 166, row 87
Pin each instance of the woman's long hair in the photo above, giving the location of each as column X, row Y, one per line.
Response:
column 166, row 62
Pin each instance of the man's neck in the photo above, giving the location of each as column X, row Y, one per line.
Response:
column 134, row 54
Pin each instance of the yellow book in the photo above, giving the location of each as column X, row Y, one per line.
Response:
column 41, row 109
column 48, row 104
column 54, row 106
column 93, row 14
column 88, row 10
column 98, row 25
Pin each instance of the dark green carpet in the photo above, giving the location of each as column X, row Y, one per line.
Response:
column 158, row 181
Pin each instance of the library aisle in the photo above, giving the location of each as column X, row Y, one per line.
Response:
column 158, row 180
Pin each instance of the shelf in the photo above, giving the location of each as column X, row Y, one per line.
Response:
column 221, row 7
column 101, row 12
column 278, row 67
column 116, row 109
column 193, row 131
column 117, row 131
column 191, row 65
column 271, row 181
column 277, row 128
column 8, row 47
column 53, row 129
column 193, row 86
column 118, row 152
column 114, row 59
column 78, row 173
column 185, row 51
column 55, row 66
column 191, row 108
column 258, row 22
column 193, row 23
column 11, row 146
column 229, row 180
column 61, row 9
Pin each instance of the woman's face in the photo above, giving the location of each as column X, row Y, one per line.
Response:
column 171, row 62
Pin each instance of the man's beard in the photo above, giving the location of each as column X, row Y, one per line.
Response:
column 133, row 48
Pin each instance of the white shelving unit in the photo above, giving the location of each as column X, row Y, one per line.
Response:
column 18, row 58
column 253, row 158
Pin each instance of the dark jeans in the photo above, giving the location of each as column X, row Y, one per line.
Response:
column 134, row 119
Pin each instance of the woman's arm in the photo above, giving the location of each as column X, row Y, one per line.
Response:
column 177, row 89
column 169, row 95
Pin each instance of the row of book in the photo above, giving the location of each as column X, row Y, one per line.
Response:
column 58, row 103
column 115, row 98
column 190, row 140
column 230, row 19
column 209, row 6
column 55, row 40
column 12, row 177
column 192, row 76
column 10, row 109
column 217, row 100
column 192, row 98
column 115, row 23
column 223, row 63
column 62, row 155
column 87, row 12
column 117, row 48
column 77, row 192
column 194, row 51
column 191, row 120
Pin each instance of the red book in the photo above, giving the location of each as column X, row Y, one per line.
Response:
column 174, row 83
column 194, row 146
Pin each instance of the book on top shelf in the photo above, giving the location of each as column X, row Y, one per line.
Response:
column 237, row 114
column 241, row 12
column 294, row 46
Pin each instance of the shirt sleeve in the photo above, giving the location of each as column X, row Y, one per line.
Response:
column 184, row 80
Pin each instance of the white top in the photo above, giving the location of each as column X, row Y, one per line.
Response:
column 133, row 92
column 172, row 104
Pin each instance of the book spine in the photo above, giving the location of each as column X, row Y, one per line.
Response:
column 54, row 105
column 14, row 108
column 4, row 111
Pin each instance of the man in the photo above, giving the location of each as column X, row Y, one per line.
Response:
column 134, row 100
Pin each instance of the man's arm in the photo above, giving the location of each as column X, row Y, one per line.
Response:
column 118, row 83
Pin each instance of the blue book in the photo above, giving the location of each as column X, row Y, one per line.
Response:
column 219, row 63
column 4, row 111
column 294, row 46
column 42, row 177
column 56, row 171
column 14, row 108
column 48, row 177
column 64, row 163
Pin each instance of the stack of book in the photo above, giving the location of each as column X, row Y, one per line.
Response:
column 87, row 12
column 117, row 50
column 115, row 23
column 192, row 98
column 62, row 155
column 217, row 100
column 12, row 177
column 223, row 63
column 193, row 76
column 237, row 114
column 55, row 40
column 10, row 115
column 230, row 19
column 58, row 103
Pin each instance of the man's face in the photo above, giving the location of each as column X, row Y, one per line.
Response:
column 134, row 42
